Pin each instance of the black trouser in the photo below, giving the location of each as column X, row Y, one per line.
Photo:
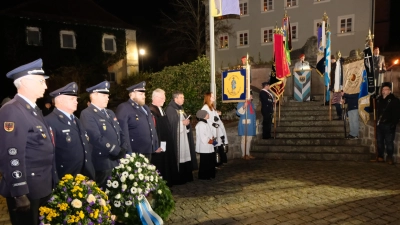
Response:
column 207, row 166
column 26, row 218
column 339, row 110
column 267, row 122
column 385, row 136
column 102, row 177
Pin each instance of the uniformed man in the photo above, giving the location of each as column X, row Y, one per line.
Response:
column 267, row 109
column 302, row 64
column 73, row 152
column 26, row 148
column 104, row 133
column 137, row 122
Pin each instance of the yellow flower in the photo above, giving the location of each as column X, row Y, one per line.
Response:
column 67, row 177
column 80, row 195
column 81, row 215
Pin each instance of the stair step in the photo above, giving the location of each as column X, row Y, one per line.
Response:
column 306, row 113
column 306, row 107
column 310, row 103
column 310, row 149
column 314, row 156
column 310, row 129
column 310, row 135
column 294, row 123
column 306, row 117
column 309, row 141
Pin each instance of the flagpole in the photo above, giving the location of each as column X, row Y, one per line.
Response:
column 279, row 113
column 212, row 50
column 330, row 109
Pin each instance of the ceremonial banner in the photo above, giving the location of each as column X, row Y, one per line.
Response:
column 277, row 86
column 369, row 68
column 364, row 99
column 327, row 74
column 321, row 43
column 234, row 86
column 302, row 85
column 352, row 79
column 281, row 64
column 225, row 7
column 287, row 33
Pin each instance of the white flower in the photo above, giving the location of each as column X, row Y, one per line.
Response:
column 146, row 160
column 122, row 166
column 147, row 190
column 125, row 174
column 149, row 167
column 156, row 179
column 107, row 191
column 127, row 156
column 124, row 161
column 102, row 202
column 124, row 187
column 141, row 176
column 135, row 184
column 142, row 156
column 126, row 214
column 144, row 165
column 133, row 155
column 137, row 164
column 147, row 185
column 117, row 204
column 151, row 178
column 123, row 179
column 140, row 197
column 159, row 192
column 118, row 196
column 139, row 170
column 139, row 190
column 128, row 202
column 117, row 167
column 76, row 203
column 115, row 184
column 131, row 176
column 133, row 190
column 146, row 177
column 132, row 159
column 129, row 168
column 108, row 183
column 91, row 198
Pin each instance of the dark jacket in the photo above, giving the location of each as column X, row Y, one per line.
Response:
column 267, row 102
column 388, row 109
column 351, row 100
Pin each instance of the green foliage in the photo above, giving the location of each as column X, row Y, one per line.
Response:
column 193, row 79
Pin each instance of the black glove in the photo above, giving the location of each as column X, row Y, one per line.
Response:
column 22, row 204
column 121, row 154
column 216, row 118
column 216, row 125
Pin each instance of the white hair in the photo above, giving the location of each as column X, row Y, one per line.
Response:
column 17, row 82
column 158, row 91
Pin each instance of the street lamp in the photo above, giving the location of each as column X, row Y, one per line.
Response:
column 142, row 52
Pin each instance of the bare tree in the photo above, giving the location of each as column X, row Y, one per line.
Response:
column 187, row 27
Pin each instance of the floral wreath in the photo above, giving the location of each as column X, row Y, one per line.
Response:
column 135, row 186
column 76, row 200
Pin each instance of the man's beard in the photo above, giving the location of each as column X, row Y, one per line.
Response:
column 139, row 101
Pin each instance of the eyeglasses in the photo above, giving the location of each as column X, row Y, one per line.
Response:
column 41, row 81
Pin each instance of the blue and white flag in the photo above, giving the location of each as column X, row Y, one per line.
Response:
column 327, row 76
column 364, row 99
column 321, row 43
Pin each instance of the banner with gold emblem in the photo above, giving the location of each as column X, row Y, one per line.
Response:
column 234, row 86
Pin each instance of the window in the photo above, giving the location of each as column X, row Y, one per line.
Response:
column 111, row 77
column 243, row 38
column 267, row 5
column 223, row 41
column 346, row 25
column 33, row 36
column 243, row 5
column 295, row 31
column 67, row 39
column 267, row 35
column 109, row 43
column 291, row 3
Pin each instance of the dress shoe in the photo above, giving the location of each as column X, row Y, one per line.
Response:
column 379, row 159
column 251, row 157
column 390, row 162
column 246, row 157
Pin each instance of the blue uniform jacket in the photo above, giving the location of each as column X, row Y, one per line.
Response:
column 26, row 152
column 267, row 102
column 73, row 151
column 105, row 136
column 139, row 125
column 250, row 123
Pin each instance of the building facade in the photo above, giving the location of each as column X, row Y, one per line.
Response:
column 349, row 20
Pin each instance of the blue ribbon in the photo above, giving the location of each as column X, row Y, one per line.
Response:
column 147, row 215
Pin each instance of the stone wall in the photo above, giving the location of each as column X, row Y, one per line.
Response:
column 367, row 135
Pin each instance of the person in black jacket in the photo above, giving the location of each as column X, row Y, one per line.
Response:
column 267, row 109
column 388, row 115
column 352, row 111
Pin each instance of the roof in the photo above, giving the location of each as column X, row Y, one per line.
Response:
column 74, row 11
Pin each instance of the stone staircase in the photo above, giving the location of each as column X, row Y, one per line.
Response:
column 304, row 132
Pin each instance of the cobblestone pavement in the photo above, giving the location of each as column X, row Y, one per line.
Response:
column 287, row 193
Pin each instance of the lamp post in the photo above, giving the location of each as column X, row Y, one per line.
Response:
column 142, row 52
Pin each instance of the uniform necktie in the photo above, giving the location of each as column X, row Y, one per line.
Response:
column 73, row 118
column 38, row 111
column 105, row 113
column 144, row 110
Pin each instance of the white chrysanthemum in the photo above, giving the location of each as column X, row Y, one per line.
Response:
column 133, row 155
column 129, row 168
column 91, row 198
column 133, row 190
column 102, row 202
column 146, row 177
column 117, row 167
column 149, row 167
column 139, row 170
column 135, row 184
column 126, row 214
column 151, row 178
column 123, row 179
column 140, row 197
column 132, row 159
column 137, row 164
column 139, row 190
column 122, row 166
column 128, row 202
column 148, row 185
column 125, row 174
column 131, row 176
column 159, row 192
column 109, row 183
column 115, row 184
column 117, row 204
column 127, row 156
column 146, row 160
column 124, row 187
column 141, row 176
column 144, row 165
column 118, row 196
column 156, row 179
column 142, row 156
column 76, row 203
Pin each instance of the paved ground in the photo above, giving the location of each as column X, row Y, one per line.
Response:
column 289, row 192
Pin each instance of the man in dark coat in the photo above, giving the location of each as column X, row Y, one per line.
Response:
column 183, row 137
column 73, row 152
column 267, row 109
column 48, row 106
column 388, row 115
column 104, row 133
column 137, row 122
column 26, row 147
column 164, row 161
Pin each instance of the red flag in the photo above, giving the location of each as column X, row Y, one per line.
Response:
column 282, row 67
